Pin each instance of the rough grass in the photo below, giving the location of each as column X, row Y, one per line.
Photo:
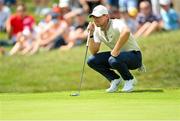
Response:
column 161, row 56
column 57, row 71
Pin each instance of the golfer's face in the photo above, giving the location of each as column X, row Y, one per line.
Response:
column 99, row 21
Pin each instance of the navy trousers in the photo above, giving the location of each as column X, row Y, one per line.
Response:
column 105, row 64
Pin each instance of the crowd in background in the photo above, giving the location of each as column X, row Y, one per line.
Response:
column 64, row 24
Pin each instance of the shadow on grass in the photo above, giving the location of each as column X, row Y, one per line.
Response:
column 144, row 90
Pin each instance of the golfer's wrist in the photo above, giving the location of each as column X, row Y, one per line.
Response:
column 114, row 54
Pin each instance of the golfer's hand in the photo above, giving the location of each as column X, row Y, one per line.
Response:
column 91, row 28
column 114, row 53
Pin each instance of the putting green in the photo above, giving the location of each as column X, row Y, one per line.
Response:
column 92, row 105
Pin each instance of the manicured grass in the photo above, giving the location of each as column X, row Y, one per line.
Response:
column 92, row 105
column 59, row 71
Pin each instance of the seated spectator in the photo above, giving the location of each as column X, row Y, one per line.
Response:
column 23, row 43
column 147, row 22
column 69, row 8
column 64, row 6
column 112, row 4
column 4, row 15
column 53, row 37
column 89, row 5
column 170, row 17
column 114, row 13
column 10, row 2
column 20, row 27
column 76, row 21
column 73, row 4
column 29, row 44
column 27, row 41
column 18, row 22
column 131, row 23
column 79, row 34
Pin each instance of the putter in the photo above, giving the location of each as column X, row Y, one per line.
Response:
column 82, row 72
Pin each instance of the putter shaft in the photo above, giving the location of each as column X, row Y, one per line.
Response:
column 84, row 63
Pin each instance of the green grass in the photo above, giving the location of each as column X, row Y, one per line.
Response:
column 59, row 71
column 51, row 72
column 92, row 105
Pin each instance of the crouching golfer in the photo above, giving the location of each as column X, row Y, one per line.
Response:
column 125, row 53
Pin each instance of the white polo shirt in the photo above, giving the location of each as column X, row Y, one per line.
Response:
column 111, row 36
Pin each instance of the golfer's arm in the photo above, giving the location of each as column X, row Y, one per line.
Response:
column 124, row 36
column 93, row 46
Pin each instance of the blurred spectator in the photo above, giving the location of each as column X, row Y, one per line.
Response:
column 41, row 6
column 19, row 22
column 44, row 24
column 10, row 2
column 88, row 5
column 23, row 43
column 71, row 7
column 113, row 7
column 114, row 13
column 65, row 6
column 4, row 15
column 73, row 4
column 79, row 34
column 131, row 23
column 57, row 10
column 40, row 30
column 55, row 36
column 76, row 21
column 128, row 4
column 133, row 12
column 25, row 36
column 155, row 7
column 169, row 16
column 112, row 4
column 147, row 21
column 44, row 11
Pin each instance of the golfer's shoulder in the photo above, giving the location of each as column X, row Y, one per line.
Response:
column 117, row 23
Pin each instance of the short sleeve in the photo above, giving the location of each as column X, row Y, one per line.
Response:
column 140, row 19
column 119, row 24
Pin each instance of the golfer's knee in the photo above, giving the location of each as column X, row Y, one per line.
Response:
column 91, row 61
column 113, row 62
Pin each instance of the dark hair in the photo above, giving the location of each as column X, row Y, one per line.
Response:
column 21, row 5
column 139, row 1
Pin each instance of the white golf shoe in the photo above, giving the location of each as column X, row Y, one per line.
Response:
column 113, row 85
column 129, row 85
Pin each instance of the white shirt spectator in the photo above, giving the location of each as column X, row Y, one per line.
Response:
column 4, row 15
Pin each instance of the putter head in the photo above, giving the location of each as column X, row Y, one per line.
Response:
column 75, row 94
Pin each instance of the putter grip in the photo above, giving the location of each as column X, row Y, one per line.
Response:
column 88, row 38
